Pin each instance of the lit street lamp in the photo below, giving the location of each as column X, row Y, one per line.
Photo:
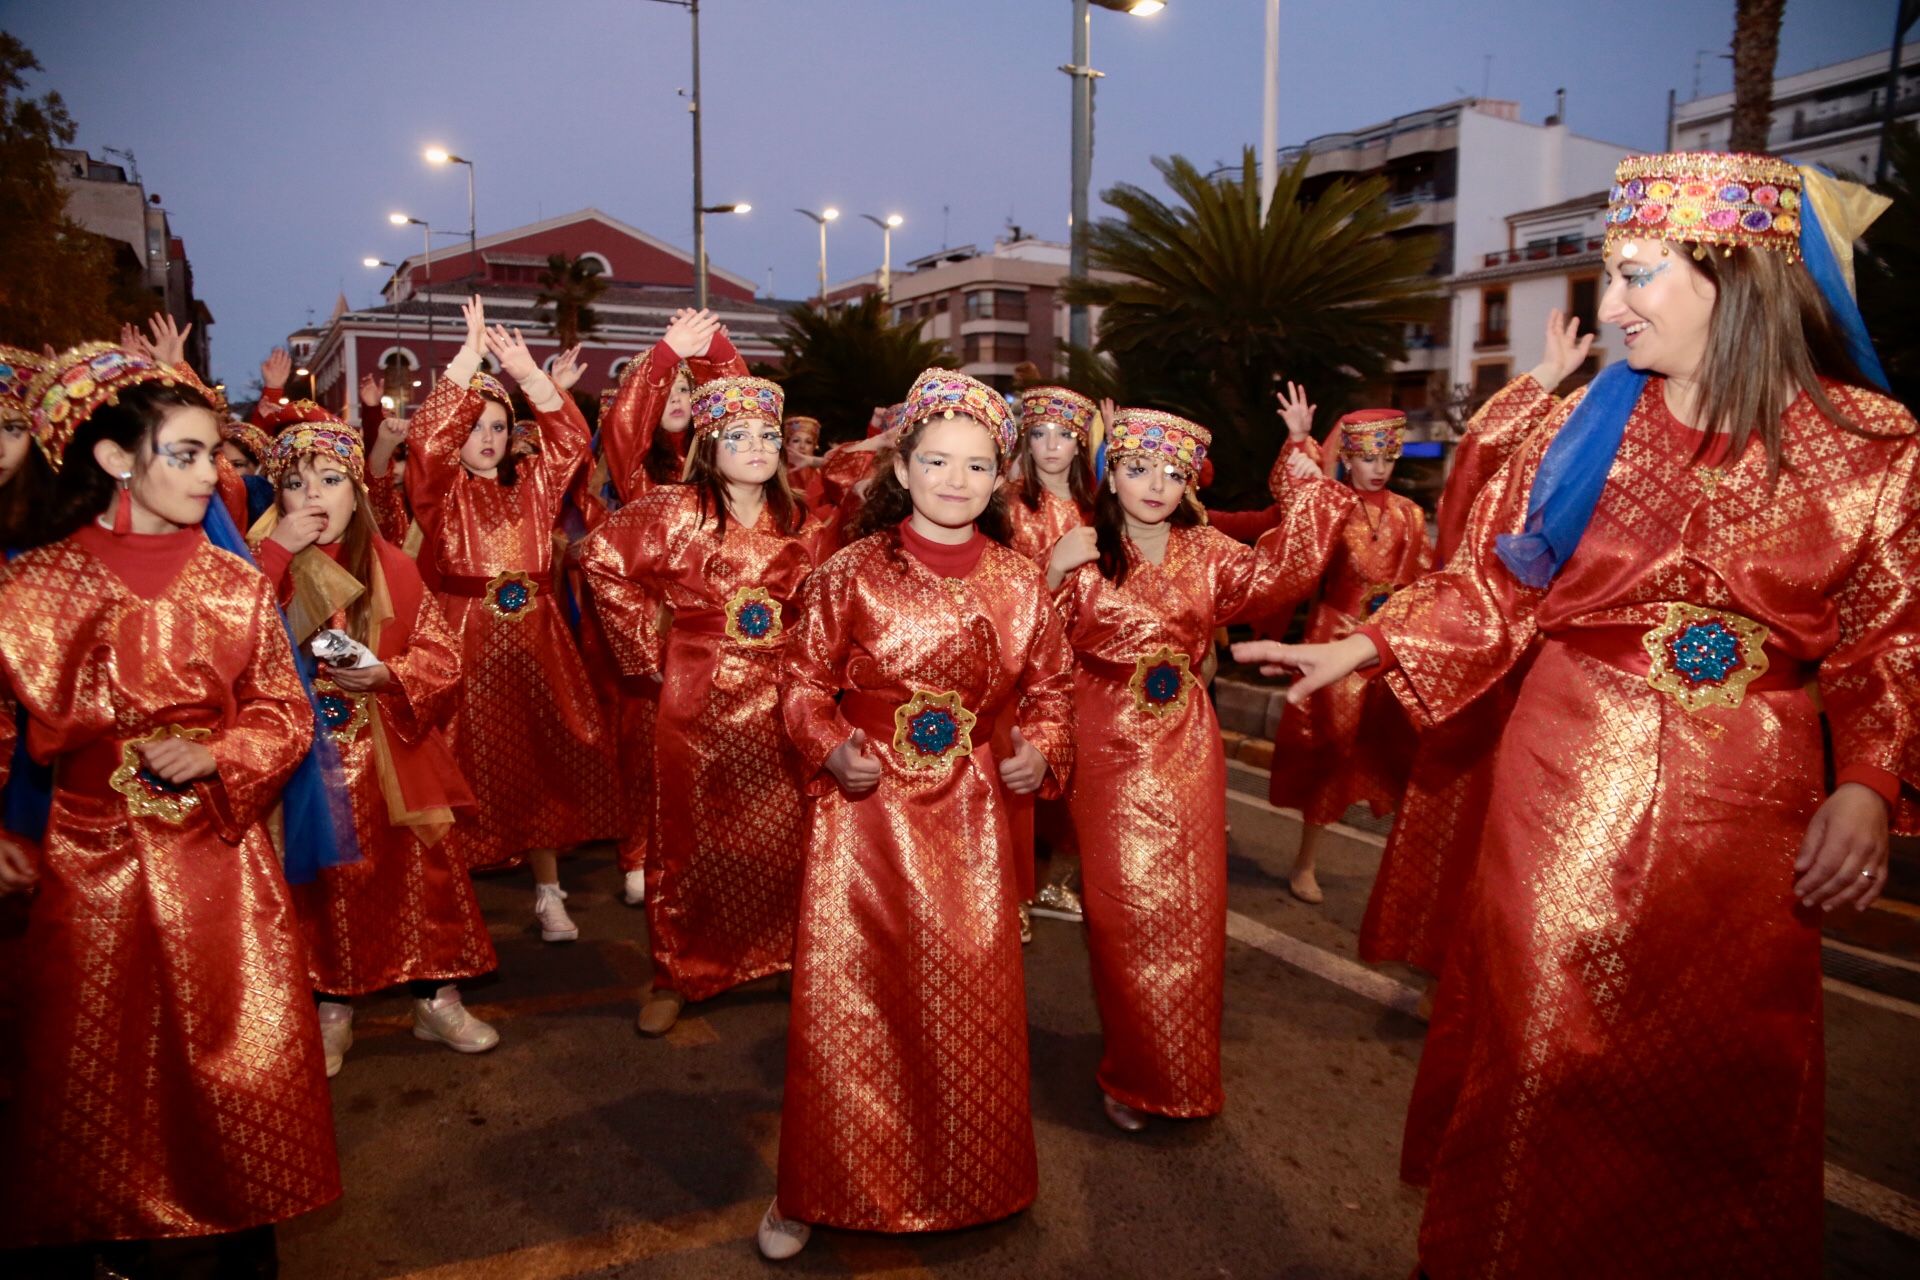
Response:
column 823, row 218
column 886, row 250
column 440, row 155
column 1081, row 69
column 700, row 242
column 402, row 220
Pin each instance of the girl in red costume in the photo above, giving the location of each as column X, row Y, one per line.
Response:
column 528, row 733
column 1141, row 592
column 906, row 1092
column 1685, row 546
column 171, row 1081
column 406, row 912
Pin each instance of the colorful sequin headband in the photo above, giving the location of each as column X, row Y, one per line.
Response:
column 800, row 420
column 1150, row 433
column 944, row 393
column 256, row 442
column 1372, row 434
column 17, row 368
column 491, row 388
column 293, row 413
column 1707, row 199
column 725, row 401
column 335, row 440
column 1060, row 406
column 70, row 387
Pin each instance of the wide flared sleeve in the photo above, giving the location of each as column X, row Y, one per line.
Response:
column 435, row 435
column 1269, row 578
column 270, row 729
column 1493, row 436
column 843, row 467
column 622, row 560
column 566, row 444
column 1045, row 713
column 389, row 506
column 811, row 679
column 425, row 685
column 1455, row 633
column 1870, row 682
column 1279, row 477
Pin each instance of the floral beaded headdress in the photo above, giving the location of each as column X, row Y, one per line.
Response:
column 1060, row 406
column 1150, row 433
column 942, row 393
column 335, row 440
column 491, row 388
column 256, row 442
column 17, row 368
column 1372, row 435
column 293, row 413
column 722, row 402
column 1707, row 199
column 72, row 385
column 800, row 420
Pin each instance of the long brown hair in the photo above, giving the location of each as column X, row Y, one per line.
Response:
column 888, row 502
column 1110, row 531
column 1079, row 477
column 1770, row 338
column 703, row 473
column 661, row 461
column 356, row 551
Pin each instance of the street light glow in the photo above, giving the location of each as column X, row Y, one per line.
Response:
column 369, row 262
column 398, row 219
column 743, row 208
column 303, row 373
column 894, row 219
column 437, row 155
column 1146, row 8
column 829, row 214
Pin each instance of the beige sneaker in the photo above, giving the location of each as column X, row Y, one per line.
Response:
column 1123, row 1116
column 661, row 1011
column 635, row 888
column 780, row 1238
column 446, row 1020
column 1058, row 902
column 1026, row 925
column 550, row 909
column 336, row 1033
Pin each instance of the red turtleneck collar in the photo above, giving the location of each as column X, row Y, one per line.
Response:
column 146, row 562
column 949, row 560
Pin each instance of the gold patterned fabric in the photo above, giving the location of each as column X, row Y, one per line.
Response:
column 1149, row 793
column 171, row 1080
column 723, row 881
column 906, row 1105
column 1033, row 531
column 1631, row 942
column 1349, row 744
column 528, row 734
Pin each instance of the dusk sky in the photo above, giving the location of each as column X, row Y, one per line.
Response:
column 280, row 136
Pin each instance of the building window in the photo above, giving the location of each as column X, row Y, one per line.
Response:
column 1010, row 304
column 1489, row 376
column 1583, row 300
column 398, row 354
column 980, row 305
column 1493, row 317
column 618, row 367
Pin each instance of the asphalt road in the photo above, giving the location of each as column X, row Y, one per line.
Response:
column 579, row 1149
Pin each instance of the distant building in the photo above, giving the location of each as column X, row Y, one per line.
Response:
column 420, row 328
column 102, row 198
column 1462, row 168
column 1830, row 115
column 993, row 310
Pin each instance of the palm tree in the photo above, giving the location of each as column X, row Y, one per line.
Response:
column 1218, row 302
column 838, row 363
column 1756, row 44
column 568, row 288
column 1891, row 264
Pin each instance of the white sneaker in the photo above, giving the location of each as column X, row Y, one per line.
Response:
column 1121, row 1115
column 549, row 908
column 780, row 1238
column 446, row 1020
column 336, row 1033
column 636, row 887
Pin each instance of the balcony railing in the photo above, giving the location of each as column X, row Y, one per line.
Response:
column 1407, row 199
column 1564, row 247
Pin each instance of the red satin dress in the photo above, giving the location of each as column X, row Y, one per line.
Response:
column 1349, row 744
column 723, row 880
column 528, row 733
column 389, row 507
column 406, row 910
column 1149, row 791
column 906, row 1105
column 1628, row 1030
column 626, row 433
column 1033, row 531
column 171, row 1081
column 1435, row 841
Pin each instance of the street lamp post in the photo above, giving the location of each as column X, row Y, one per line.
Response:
column 700, row 246
column 440, row 155
column 699, row 195
column 401, row 220
column 1081, row 69
column 382, row 262
column 1270, row 113
column 886, row 226
column 823, row 218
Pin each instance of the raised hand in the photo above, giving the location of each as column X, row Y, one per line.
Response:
column 276, row 368
column 1076, row 547
column 568, row 368
column 856, row 767
column 474, row 312
column 1296, row 412
column 1317, row 665
column 1301, row 467
column 133, row 340
column 1566, row 350
column 393, row 428
column 370, row 389
column 510, row 349
column 1107, row 411
column 169, row 339
column 691, row 333
column 1024, row 770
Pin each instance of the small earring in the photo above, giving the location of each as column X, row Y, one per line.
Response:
column 126, row 479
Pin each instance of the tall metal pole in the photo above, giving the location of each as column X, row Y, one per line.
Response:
column 473, row 234
column 1903, row 16
column 699, row 197
column 1270, row 113
column 886, row 263
column 823, row 262
column 433, row 366
column 1082, row 73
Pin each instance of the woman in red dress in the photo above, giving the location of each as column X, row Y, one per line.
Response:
column 724, row 552
column 906, row 1104
column 406, row 911
column 1685, row 547
column 528, row 732
column 170, row 1081
column 1141, row 592
column 1352, row 746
